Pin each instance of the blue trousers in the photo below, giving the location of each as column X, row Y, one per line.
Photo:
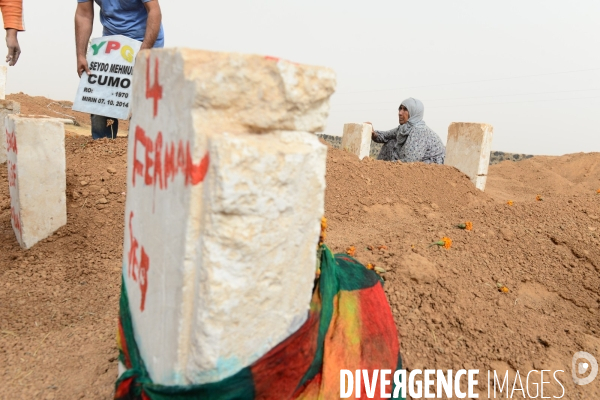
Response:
column 101, row 128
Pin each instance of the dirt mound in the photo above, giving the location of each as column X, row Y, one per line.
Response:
column 567, row 175
column 57, row 333
column 60, row 298
column 39, row 105
column 447, row 305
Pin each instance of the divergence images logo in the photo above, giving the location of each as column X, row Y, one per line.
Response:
column 582, row 364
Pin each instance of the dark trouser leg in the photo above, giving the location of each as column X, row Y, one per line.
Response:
column 101, row 128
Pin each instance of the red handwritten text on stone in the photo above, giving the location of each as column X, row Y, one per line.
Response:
column 137, row 269
column 155, row 92
column 163, row 161
column 16, row 222
column 12, row 174
column 11, row 142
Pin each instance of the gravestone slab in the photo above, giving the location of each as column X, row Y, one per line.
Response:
column 7, row 107
column 468, row 149
column 36, row 177
column 225, row 193
column 356, row 139
column 3, row 73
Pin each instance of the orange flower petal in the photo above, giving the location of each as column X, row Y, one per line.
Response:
column 351, row 251
column 447, row 242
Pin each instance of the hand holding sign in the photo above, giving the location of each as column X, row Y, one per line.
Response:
column 105, row 85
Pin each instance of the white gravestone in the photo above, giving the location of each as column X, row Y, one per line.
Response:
column 36, row 177
column 225, row 193
column 357, row 139
column 107, row 90
column 3, row 73
column 468, row 149
column 7, row 107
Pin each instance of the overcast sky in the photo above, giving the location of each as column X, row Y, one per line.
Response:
column 529, row 68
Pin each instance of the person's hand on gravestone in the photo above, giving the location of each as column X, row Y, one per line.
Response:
column 12, row 43
column 373, row 134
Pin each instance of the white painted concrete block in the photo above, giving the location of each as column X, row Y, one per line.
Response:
column 7, row 107
column 223, row 208
column 3, row 73
column 468, row 149
column 357, row 139
column 36, row 177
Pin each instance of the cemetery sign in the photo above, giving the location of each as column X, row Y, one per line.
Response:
column 107, row 89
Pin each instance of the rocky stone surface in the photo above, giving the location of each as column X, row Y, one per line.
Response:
column 224, row 201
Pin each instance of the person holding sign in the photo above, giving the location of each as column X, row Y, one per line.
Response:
column 136, row 19
column 12, row 14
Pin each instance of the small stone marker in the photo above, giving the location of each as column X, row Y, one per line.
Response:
column 468, row 149
column 225, row 193
column 107, row 90
column 7, row 107
column 3, row 73
column 357, row 139
column 36, row 177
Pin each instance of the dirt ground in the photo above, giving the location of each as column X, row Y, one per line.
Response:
column 39, row 105
column 59, row 300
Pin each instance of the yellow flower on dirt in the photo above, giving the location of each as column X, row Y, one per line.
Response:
column 446, row 243
column 467, row 226
column 502, row 287
column 370, row 266
column 323, row 229
column 598, row 191
column 510, row 202
column 351, row 251
column 539, row 198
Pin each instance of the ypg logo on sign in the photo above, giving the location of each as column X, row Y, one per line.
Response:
column 127, row 52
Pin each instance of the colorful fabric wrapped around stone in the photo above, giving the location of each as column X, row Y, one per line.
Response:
column 350, row 326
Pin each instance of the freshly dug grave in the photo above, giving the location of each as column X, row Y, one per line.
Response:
column 571, row 174
column 60, row 298
column 39, row 105
column 448, row 309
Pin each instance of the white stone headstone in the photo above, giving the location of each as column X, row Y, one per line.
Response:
column 468, row 149
column 107, row 90
column 225, row 193
column 7, row 107
column 36, row 177
column 3, row 73
column 357, row 139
